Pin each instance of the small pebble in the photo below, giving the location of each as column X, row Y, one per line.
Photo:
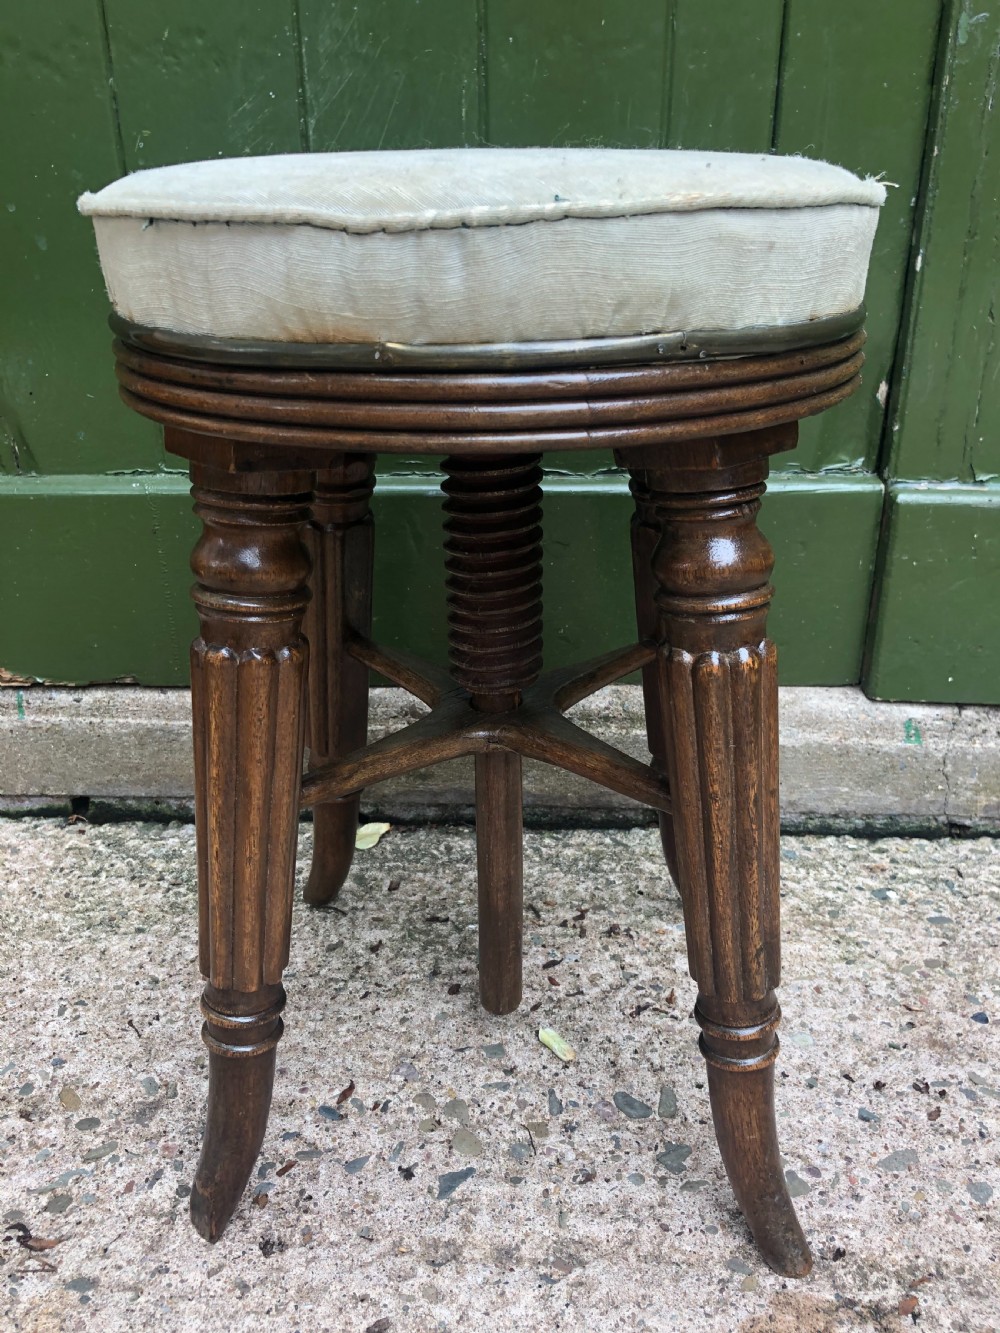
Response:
column 330, row 1113
column 89, row 1122
column 980, row 1191
column 631, row 1106
column 103, row 1150
column 356, row 1164
column 674, row 1157
column 495, row 1051
column 467, row 1144
column 796, row 1185
column 457, row 1110
column 870, row 1116
column 980, row 1017
column 666, row 1107
column 450, row 1181
column 555, row 1105
column 898, row 1160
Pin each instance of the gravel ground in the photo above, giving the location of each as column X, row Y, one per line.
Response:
column 470, row 1180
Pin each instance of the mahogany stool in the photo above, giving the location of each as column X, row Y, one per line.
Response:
column 289, row 318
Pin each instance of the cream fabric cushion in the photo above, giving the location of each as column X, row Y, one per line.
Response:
column 484, row 245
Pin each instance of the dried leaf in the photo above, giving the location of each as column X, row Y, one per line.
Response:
column 260, row 1200
column 284, row 1170
column 347, row 1092
column 368, row 835
column 908, row 1305
column 934, row 1113
column 38, row 1243
column 556, row 1045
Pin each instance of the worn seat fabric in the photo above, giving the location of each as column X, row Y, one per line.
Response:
column 484, row 245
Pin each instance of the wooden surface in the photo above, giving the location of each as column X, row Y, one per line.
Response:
column 287, row 527
column 248, row 672
column 340, row 606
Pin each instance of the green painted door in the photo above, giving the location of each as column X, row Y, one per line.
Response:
column 95, row 519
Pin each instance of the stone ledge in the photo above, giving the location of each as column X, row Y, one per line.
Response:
column 846, row 762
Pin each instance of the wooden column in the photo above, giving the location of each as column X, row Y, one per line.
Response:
column 493, row 533
column 248, row 672
column 645, row 534
column 718, row 689
column 341, row 536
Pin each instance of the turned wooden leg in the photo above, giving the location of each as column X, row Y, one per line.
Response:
column 499, row 859
column 645, row 532
column 493, row 536
column 341, row 539
column 248, row 670
column 718, row 678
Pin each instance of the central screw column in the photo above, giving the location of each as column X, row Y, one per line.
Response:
column 493, row 528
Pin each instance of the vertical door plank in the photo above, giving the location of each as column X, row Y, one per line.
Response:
column 855, row 89
column 723, row 74
column 59, row 411
column 947, row 421
column 391, row 73
column 575, row 72
column 197, row 80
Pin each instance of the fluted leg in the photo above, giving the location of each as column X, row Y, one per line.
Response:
column 248, row 670
column 718, row 679
column 341, row 538
column 645, row 532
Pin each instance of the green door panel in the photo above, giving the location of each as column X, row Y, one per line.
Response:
column 391, row 73
column 575, row 72
column 97, row 578
column 722, row 74
column 937, row 629
column 196, row 80
column 59, row 139
column 947, row 420
column 855, row 89
column 101, row 586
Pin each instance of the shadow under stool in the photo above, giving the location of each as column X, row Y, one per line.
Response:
column 287, row 319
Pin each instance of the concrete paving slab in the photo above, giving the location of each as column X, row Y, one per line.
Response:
column 846, row 761
column 471, row 1180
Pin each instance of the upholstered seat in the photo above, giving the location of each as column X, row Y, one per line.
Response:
column 484, row 245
